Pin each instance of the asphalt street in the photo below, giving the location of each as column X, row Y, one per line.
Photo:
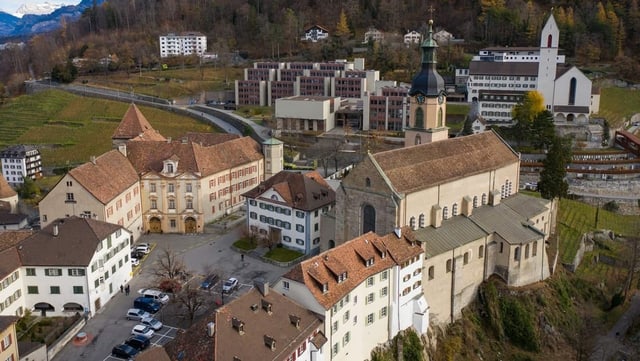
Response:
column 202, row 254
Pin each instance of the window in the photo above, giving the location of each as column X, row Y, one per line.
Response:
column 334, row 327
column 299, row 228
column 169, row 168
column 315, row 227
column 53, row 272
column 334, row 349
column 31, row 271
column 152, row 187
column 55, row 290
column 480, row 251
column 526, row 251
column 406, row 278
column 188, row 187
column 384, row 291
column 345, row 317
column 384, row 275
column 96, row 283
column 78, row 290
column 172, row 204
column 370, row 319
column 466, row 258
column 501, row 247
column 367, row 182
column 172, row 223
column 534, row 251
column 285, row 285
column 370, row 281
column 170, row 188
column 445, row 212
column 346, row 338
column 383, row 312
column 154, row 204
column 76, row 272
column 189, row 204
column 516, row 254
column 300, row 241
column 431, row 272
column 253, row 215
column 70, row 197
column 299, row 214
column 32, row 290
column 369, row 298
column 6, row 342
column 113, row 269
column 421, row 221
column 449, row 264
column 412, row 222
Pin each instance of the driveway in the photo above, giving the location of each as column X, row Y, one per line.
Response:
column 611, row 345
column 202, row 254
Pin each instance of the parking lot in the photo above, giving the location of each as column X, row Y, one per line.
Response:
column 202, row 254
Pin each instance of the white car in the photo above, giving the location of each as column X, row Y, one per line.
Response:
column 155, row 295
column 230, row 285
column 137, row 314
column 143, row 247
column 135, row 262
column 142, row 330
column 152, row 323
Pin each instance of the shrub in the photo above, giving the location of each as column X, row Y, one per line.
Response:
column 518, row 324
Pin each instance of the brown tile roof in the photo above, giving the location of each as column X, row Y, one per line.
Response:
column 351, row 257
column 425, row 165
column 9, row 239
column 9, row 262
column 5, row 189
column 153, row 354
column 149, row 156
column 193, row 343
column 134, row 124
column 571, row 109
column 306, row 191
column 74, row 245
column 6, row 321
column 106, row 177
column 259, row 326
column 208, row 139
column 500, row 68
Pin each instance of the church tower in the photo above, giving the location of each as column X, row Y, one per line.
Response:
column 273, row 151
column 549, row 39
column 427, row 99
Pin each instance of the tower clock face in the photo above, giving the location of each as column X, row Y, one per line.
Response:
column 440, row 98
column 420, row 98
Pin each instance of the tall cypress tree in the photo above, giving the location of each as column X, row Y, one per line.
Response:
column 552, row 178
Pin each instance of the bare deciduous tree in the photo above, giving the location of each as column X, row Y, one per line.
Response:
column 191, row 301
column 169, row 266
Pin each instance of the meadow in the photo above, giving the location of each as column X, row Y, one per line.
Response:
column 69, row 129
column 618, row 105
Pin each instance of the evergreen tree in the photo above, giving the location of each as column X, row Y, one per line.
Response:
column 543, row 131
column 552, row 178
column 467, row 129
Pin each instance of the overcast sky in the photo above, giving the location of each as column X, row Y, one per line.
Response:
column 10, row 6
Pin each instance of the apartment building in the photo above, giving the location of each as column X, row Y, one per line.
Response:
column 387, row 108
column 183, row 44
column 356, row 287
column 298, row 114
column 20, row 161
column 287, row 209
column 8, row 339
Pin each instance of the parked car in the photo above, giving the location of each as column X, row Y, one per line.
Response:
column 135, row 261
column 155, row 295
column 152, row 323
column 137, row 314
column 209, row 281
column 137, row 254
column 230, row 285
column 142, row 330
column 138, row 342
column 124, row 352
column 143, row 247
column 147, row 304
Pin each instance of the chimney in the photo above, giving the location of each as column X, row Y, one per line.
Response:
column 398, row 232
column 263, row 286
column 55, row 230
column 211, row 328
column 295, row 320
column 93, row 159
column 266, row 305
column 238, row 325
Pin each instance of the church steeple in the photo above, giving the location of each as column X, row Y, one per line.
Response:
column 427, row 99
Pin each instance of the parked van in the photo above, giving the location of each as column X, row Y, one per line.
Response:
column 155, row 295
column 147, row 304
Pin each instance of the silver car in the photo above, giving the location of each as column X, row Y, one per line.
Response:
column 137, row 314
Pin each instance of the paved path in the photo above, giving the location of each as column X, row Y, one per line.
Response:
column 608, row 345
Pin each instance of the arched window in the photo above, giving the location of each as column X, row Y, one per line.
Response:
column 421, row 221
column 572, row 91
column 445, row 212
column 501, row 247
column 534, row 252
column 449, row 265
column 368, row 219
column 526, row 251
column 412, row 222
column 549, row 40
column 475, row 201
column 516, row 254
column 431, row 272
column 419, row 118
column 454, row 210
column 481, row 251
column 466, row 257
column 418, row 139
column 367, row 182
column 440, row 121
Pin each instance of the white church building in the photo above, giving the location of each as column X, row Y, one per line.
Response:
column 499, row 77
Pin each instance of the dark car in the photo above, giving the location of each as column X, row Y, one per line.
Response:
column 138, row 342
column 147, row 304
column 209, row 281
column 124, row 352
column 137, row 254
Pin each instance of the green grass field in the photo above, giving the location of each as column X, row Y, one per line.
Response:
column 618, row 104
column 69, row 129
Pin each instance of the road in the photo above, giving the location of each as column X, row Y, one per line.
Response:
column 201, row 254
column 611, row 346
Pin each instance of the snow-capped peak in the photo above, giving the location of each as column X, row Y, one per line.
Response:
column 37, row 9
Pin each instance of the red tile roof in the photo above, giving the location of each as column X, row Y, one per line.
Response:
column 107, row 176
column 192, row 157
column 134, row 124
column 5, row 189
column 351, row 258
column 306, row 191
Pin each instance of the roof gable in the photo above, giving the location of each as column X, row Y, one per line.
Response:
column 134, row 124
column 305, row 191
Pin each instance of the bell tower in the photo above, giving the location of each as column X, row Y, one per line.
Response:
column 427, row 99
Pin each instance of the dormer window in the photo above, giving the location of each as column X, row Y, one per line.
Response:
column 169, row 167
column 325, row 287
column 342, row 277
column 370, row 262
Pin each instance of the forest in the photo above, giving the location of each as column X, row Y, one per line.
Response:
column 593, row 33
